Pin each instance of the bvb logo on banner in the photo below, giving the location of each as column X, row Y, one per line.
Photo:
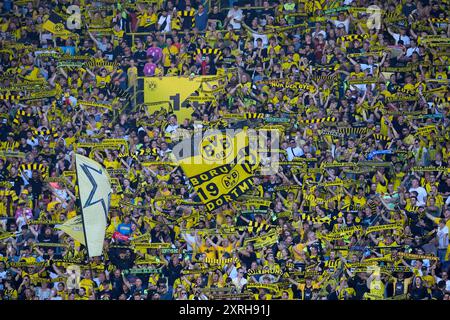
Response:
column 151, row 85
column 215, row 148
column 59, row 27
column 221, row 166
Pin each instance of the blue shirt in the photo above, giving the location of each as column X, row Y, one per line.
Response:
column 201, row 21
column 124, row 229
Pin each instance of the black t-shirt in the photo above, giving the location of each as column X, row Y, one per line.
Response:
column 3, row 173
column 419, row 293
column 443, row 187
column 437, row 295
column 359, row 285
column 25, row 148
column 399, row 287
column 247, row 260
column 140, row 55
column 36, row 187
column 399, row 127
column 47, row 238
column 17, row 183
column 86, row 51
column 228, row 61
column 172, row 272
column 332, row 296
column 4, row 130
column 117, row 51
column 269, row 186
column 266, row 12
column 307, row 293
column 217, row 16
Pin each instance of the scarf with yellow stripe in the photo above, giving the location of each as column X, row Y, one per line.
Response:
column 34, row 167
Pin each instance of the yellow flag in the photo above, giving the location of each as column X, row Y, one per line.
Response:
column 176, row 91
column 74, row 228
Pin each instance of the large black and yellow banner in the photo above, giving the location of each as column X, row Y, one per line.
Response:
column 219, row 165
column 57, row 26
column 178, row 93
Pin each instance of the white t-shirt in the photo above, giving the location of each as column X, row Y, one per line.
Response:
column 263, row 37
column 316, row 34
column 190, row 239
column 345, row 23
column 161, row 21
column 406, row 40
column 442, row 235
column 239, row 283
column 294, row 152
column 421, row 195
column 368, row 66
column 171, row 128
column 235, row 14
column 410, row 51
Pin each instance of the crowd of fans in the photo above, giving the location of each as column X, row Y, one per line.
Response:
column 368, row 87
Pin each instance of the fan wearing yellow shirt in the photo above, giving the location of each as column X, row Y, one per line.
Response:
column 273, row 45
column 173, row 70
column 101, row 79
column 109, row 162
column 29, row 72
column 359, row 201
column 117, row 35
column 381, row 181
column 81, row 295
column 71, row 137
column 170, row 53
column 345, row 292
column 224, row 247
column 147, row 20
column 207, row 249
column 87, row 283
column 376, row 286
column 160, row 173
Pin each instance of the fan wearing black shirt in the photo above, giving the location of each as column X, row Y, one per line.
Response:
column 140, row 56
column 359, row 284
column 265, row 13
column 217, row 16
column 86, row 49
column 228, row 58
column 418, row 290
column 247, row 255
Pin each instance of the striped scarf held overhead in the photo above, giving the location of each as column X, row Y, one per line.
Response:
column 318, row 120
column 349, row 130
column 380, row 137
column 34, row 167
column 46, row 132
column 210, row 51
column 10, row 97
column 9, row 193
column 249, row 115
column 187, row 14
column 19, row 114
